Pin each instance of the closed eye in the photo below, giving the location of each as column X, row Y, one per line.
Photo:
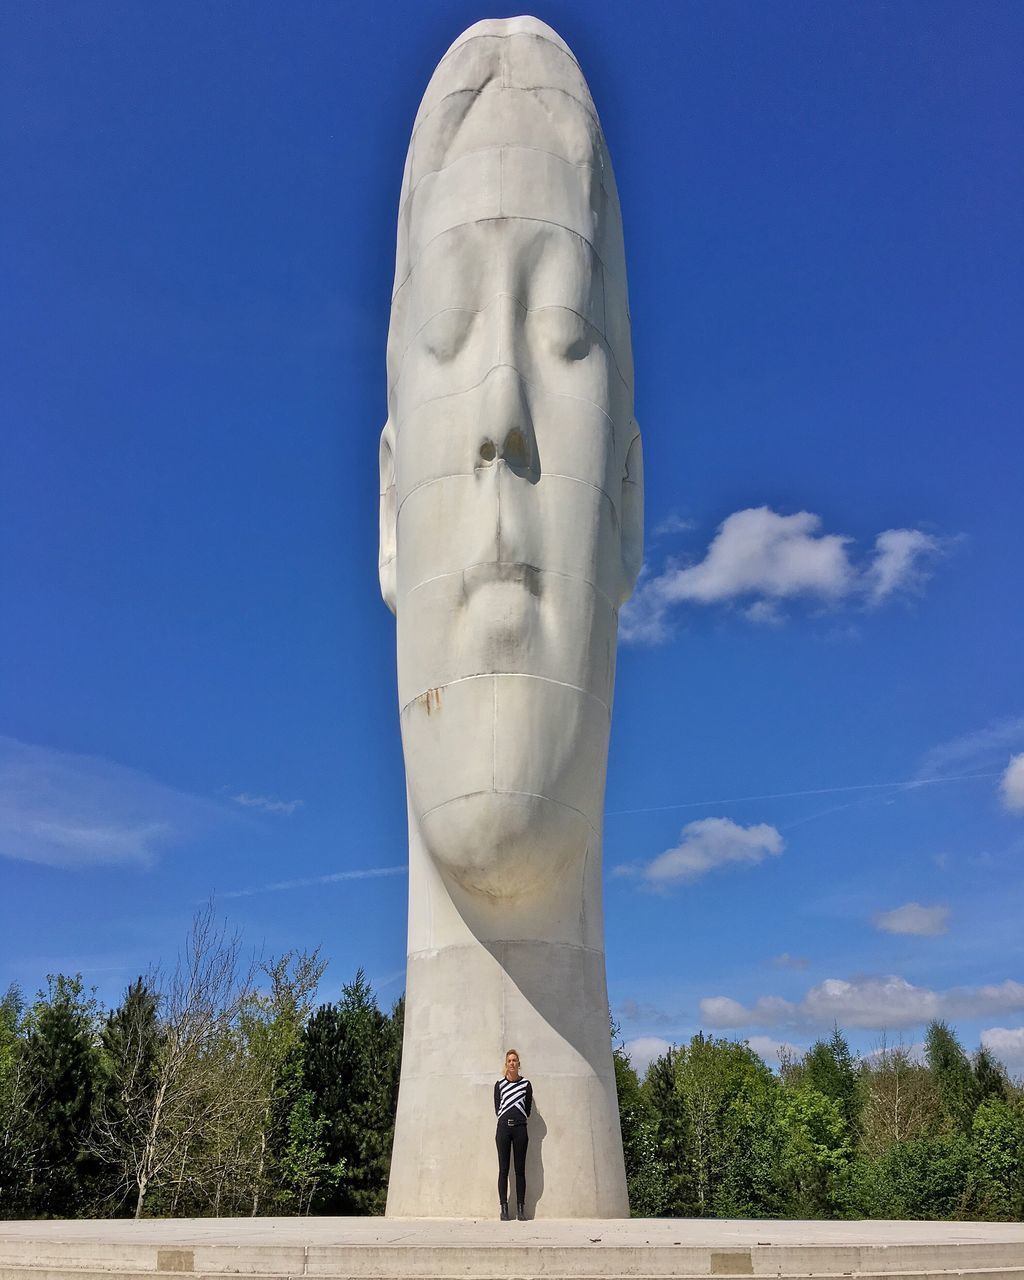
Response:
column 568, row 334
column 445, row 335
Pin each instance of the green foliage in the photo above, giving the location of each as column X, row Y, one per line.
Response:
column 671, row 1133
column 646, row 1180
column 351, row 1058
column 924, row 1177
column 304, row 1166
column 214, row 1094
column 953, row 1078
column 128, row 1077
column 60, row 1065
column 16, row 1152
column 816, row 1151
column 830, row 1068
column 989, row 1076
column 997, row 1131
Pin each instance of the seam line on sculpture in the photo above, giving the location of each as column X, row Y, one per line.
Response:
column 555, row 573
column 564, row 946
column 467, row 475
column 507, row 217
column 493, row 35
column 589, row 109
column 507, row 791
column 502, row 147
column 536, row 386
column 520, row 675
column 479, row 311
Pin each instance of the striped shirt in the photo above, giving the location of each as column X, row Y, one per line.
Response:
column 513, row 1100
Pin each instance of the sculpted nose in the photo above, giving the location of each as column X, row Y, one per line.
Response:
column 508, row 434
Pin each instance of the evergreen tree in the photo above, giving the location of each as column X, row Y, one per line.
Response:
column 645, row 1176
column 831, row 1069
column 989, row 1076
column 672, row 1133
column 351, row 1058
column 60, row 1079
column 954, row 1080
column 130, row 1047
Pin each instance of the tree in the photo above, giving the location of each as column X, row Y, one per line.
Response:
column 672, row 1132
column 351, row 1059
column 645, row 1176
column 816, row 1151
column 901, row 1100
column 271, row 1024
column 733, row 1142
column 304, row 1166
column 197, row 1082
column 997, row 1131
column 989, row 1076
column 130, row 1053
column 831, row 1069
column 60, row 1072
column 15, row 1146
column 953, row 1078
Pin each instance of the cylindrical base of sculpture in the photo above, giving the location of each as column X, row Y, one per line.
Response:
column 467, row 1004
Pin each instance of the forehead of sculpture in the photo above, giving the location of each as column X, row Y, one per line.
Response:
column 507, row 128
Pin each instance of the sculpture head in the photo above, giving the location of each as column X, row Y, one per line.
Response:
column 511, row 486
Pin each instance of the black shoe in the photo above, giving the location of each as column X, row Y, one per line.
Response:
column 504, row 1212
column 521, row 1214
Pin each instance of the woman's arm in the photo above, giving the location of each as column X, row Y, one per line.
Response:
column 497, row 1095
column 529, row 1097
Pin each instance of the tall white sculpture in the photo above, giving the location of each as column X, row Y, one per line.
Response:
column 510, row 533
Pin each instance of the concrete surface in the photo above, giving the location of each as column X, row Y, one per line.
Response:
column 511, row 530
column 418, row 1248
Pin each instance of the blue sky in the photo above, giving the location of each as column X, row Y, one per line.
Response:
column 812, row 810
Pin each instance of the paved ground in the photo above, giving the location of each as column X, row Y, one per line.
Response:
column 464, row 1249
column 438, row 1232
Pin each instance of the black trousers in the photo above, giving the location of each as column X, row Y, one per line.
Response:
column 512, row 1139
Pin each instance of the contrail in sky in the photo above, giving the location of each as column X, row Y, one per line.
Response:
column 367, row 874
column 908, row 784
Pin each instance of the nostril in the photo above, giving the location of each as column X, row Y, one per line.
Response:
column 516, row 451
column 487, row 451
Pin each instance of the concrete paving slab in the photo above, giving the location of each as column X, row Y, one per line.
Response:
column 415, row 1249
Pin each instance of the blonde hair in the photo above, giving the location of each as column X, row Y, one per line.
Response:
column 508, row 1052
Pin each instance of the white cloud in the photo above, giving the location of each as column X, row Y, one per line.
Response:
column 710, row 843
column 1006, row 1044
column 774, row 1051
column 873, row 1003
column 267, row 804
column 763, row 559
column 786, row 961
column 980, row 749
column 759, row 552
column 1012, row 784
column 643, row 1050
column 899, row 562
column 673, row 523
column 66, row 810
column 926, row 922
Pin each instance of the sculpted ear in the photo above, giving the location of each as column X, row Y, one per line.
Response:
column 388, row 517
column 631, row 515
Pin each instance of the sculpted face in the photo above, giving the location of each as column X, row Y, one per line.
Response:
column 510, row 472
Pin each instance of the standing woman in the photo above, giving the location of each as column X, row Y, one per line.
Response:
column 513, row 1102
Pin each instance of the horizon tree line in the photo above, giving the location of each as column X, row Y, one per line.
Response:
column 220, row 1088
